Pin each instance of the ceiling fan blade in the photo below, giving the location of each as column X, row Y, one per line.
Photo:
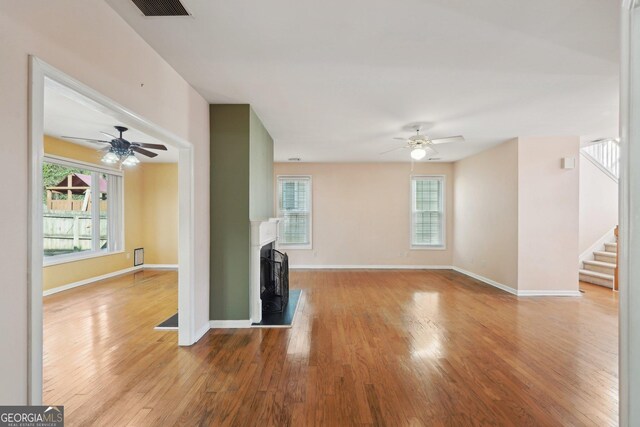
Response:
column 109, row 135
column 95, row 141
column 400, row 138
column 143, row 151
column 457, row 138
column 152, row 146
column 393, row 149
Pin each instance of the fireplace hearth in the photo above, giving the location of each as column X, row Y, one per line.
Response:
column 274, row 279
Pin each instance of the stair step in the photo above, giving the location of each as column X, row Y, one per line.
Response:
column 611, row 247
column 605, row 256
column 596, row 278
column 600, row 267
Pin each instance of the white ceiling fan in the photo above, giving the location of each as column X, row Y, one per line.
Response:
column 421, row 145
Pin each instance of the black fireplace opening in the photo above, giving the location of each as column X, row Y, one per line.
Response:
column 274, row 279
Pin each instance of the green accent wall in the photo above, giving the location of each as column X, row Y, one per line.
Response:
column 260, row 170
column 241, row 189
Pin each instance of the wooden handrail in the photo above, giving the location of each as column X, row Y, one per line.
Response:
column 615, row 278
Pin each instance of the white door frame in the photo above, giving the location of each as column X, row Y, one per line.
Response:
column 629, row 238
column 38, row 72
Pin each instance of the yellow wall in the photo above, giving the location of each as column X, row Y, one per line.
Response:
column 160, row 213
column 141, row 214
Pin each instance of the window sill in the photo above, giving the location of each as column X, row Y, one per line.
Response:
column 64, row 259
column 428, row 248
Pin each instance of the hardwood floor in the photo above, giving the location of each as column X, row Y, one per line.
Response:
column 367, row 348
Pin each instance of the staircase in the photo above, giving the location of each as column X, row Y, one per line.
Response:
column 601, row 271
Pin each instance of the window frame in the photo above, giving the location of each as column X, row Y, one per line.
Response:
column 94, row 168
column 443, row 209
column 296, row 246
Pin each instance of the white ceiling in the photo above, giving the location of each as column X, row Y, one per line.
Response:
column 68, row 113
column 335, row 80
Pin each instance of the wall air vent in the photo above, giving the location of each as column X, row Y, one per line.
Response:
column 161, row 7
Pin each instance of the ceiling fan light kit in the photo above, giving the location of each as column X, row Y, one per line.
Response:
column 110, row 157
column 131, row 160
column 125, row 157
column 121, row 150
column 418, row 153
column 421, row 145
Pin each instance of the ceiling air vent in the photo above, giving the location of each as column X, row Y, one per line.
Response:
column 161, row 7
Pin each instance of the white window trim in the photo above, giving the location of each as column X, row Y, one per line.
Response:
column 417, row 247
column 79, row 256
column 66, row 258
column 72, row 163
column 295, row 246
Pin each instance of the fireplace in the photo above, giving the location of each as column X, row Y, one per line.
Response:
column 264, row 234
column 274, row 279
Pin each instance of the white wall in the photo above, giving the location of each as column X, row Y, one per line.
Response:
column 547, row 214
column 516, row 215
column 598, row 204
column 87, row 40
column 361, row 214
column 486, row 214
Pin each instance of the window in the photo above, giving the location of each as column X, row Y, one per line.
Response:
column 427, row 212
column 294, row 207
column 73, row 225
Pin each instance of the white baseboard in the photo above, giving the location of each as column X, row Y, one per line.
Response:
column 597, row 246
column 230, row 324
column 486, row 280
column 522, row 293
column 108, row 276
column 200, row 333
column 90, row 280
column 368, row 267
column 166, row 328
column 160, row 266
column 509, row 289
column 550, row 293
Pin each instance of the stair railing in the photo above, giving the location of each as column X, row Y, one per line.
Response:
column 605, row 154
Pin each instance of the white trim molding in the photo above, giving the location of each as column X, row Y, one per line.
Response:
column 230, row 324
column 549, row 293
column 39, row 72
column 598, row 165
column 166, row 328
column 280, row 216
column 160, row 266
column 488, row 281
column 90, row 280
column 202, row 331
column 443, row 207
column 502, row 287
column 628, row 239
column 368, row 267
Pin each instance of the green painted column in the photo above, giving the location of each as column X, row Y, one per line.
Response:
column 241, row 190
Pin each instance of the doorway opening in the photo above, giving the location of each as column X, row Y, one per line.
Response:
column 93, row 192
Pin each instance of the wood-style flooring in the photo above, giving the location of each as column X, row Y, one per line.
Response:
column 406, row 348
